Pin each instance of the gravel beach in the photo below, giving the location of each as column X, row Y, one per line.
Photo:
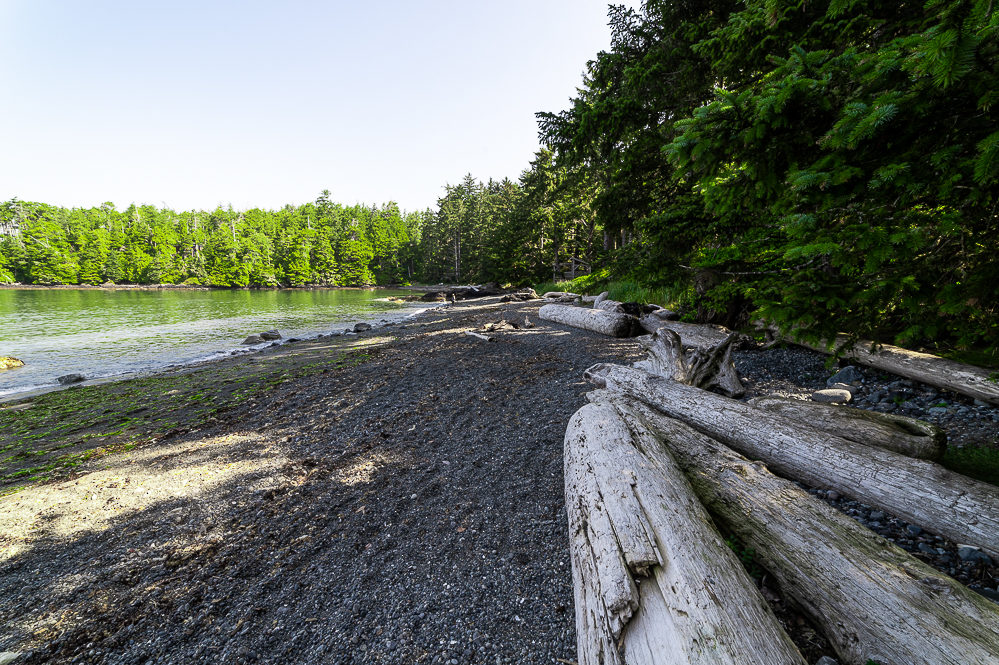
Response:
column 404, row 505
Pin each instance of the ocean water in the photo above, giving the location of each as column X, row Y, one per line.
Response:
column 103, row 333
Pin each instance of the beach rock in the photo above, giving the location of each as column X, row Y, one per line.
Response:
column 853, row 390
column 973, row 554
column 253, row 339
column 832, row 396
column 826, row 660
column 9, row 362
column 270, row 335
column 666, row 315
column 67, row 379
column 848, row 374
column 361, row 327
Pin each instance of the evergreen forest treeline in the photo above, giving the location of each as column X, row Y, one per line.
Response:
column 823, row 164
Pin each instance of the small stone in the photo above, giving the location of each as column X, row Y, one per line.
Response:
column 973, row 554
column 853, row 390
column 923, row 547
column 981, row 402
column 253, row 339
column 913, row 529
column 826, row 660
column 67, row 379
column 361, row 327
column 937, row 410
column 832, row 396
column 848, row 374
column 877, row 515
column 833, row 495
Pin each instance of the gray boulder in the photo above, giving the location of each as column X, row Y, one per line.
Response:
column 361, row 327
column 270, row 335
column 67, row 379
column 848, row 374
column 253, row 339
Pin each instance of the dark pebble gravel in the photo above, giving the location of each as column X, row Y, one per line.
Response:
column 420, row 520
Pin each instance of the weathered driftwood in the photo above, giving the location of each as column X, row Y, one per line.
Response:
column 560, row 295
column 610, row 306
column 872, row 599
column 909, row 436
column 653, row 581
column 597, row 320
column 600, row 297
column 707, row 368
column 692, row 334
column 923, row 367
column 484, row 338
column 918, row 491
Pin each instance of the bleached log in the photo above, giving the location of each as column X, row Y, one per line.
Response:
column 697, row 335
column 484, row 338
column 597, row 320
column 653, row 580
column 871, row 599
column 709, row 367
column 560, row 295
column 918, row 491
column 908, row 436
column 610, row 306
column 961, row 378
column 600, row 297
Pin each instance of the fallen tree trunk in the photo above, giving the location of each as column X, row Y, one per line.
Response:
column 653, row 580
column 926, row 368
column 872, row 599
column 597, row 320
column 609, row 306
column 918, row 491
column 908, row 436
column 692, row 334
column 560, row 295
column 706, row 368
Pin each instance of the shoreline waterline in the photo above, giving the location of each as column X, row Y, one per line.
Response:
column 185, row 342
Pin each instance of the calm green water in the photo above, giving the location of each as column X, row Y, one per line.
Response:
column 101, row 333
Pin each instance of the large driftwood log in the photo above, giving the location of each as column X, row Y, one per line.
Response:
column 653, row 581
column 909, row 436
column 606, row 323
column 872, row 599
column 918, row 491
column 707, row 367
column 610, row 306
column 923, row 367
column 600, row 297
column 693, row 334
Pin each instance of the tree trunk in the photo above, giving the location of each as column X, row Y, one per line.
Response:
column 699, row 367
column 918, row 491
column 609, row 305
column 653, row 580
column 605, row 323
column 923, row 367
column 692, row 334
column 872, row 599
column 908, row 436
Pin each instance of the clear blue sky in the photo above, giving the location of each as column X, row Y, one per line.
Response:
column 258, row 104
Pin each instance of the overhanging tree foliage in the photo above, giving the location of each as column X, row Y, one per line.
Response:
column 828, row 165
